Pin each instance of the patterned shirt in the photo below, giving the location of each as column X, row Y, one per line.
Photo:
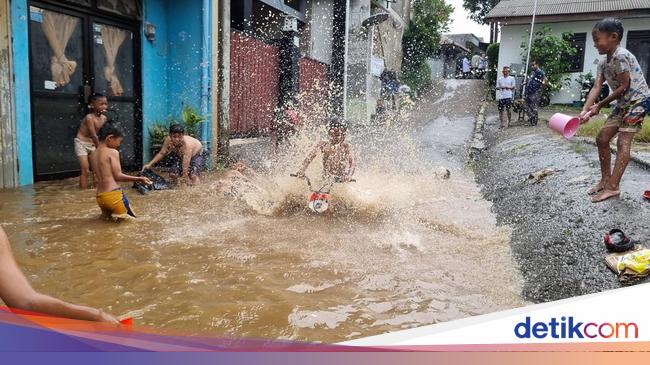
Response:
column 624, row 61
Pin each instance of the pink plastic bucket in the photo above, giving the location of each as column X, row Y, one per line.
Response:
column 564, row 124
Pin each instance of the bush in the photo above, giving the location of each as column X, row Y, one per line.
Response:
column 417, row 77
column 555, row 53
column 493, row 65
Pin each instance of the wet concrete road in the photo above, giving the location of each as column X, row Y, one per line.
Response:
column 558, row 232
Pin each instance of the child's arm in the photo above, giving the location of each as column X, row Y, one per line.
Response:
column 187, row 157
column 116, row 169
column 159, row 156
column 17, row 293
column 592, row 96
column 624, row 84
column 90, row 126
column 309, row 159
column 351, row 163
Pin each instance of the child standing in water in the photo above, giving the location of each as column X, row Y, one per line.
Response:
column 338, row 159
column 86, row 140
column 110, row 197
column 623, row 74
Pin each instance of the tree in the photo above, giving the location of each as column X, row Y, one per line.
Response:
column 478, row 9
column 422, row 40
column 493, row 64
column 554, row 52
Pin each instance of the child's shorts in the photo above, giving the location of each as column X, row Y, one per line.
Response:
column 115, row 204
column 197, row 163
column 82, row 148
column 629, row 118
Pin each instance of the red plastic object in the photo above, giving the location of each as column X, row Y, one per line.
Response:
column 128, row 321
column 647, row 194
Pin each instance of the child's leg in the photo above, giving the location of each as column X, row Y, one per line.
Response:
column 612, row 185
column 84, row 165
column 605, row 156
column 622, row 159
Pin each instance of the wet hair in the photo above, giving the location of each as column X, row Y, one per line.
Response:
column 110, row 128
column 176, row 128
column 337, row 123
column 610, row 26
column 96, row 96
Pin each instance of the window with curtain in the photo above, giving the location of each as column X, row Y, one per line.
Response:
column 56, row 51
column 113, row 60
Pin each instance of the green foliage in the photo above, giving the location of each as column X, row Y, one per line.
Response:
column 417, row 77
column 158, row 131
column 554, row 52
column 585, row 77
column 493, row 64
column 422, row 40
column 478, row 9
column 192, row 121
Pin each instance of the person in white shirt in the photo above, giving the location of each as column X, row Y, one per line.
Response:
column 466, row 67
column 505, row 88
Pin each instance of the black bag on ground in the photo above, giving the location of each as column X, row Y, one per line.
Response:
column 159, row 183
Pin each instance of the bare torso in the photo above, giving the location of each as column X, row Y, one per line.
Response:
column 107, row 161
column 191, row 146
column 91, row 120
column 336, row 158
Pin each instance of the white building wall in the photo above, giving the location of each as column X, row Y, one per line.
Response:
column 321, row 19
column 510, row 51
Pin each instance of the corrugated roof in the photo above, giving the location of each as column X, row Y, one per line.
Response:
column 515, row 8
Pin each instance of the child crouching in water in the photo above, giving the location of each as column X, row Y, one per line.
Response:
column 110, row 197
column 624, row 76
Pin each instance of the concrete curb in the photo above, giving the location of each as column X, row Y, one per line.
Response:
column 477, row 144
column 645, row 162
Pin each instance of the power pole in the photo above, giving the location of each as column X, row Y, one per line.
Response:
column 221, row 76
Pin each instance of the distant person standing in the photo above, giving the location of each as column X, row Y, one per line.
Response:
column 476, row 60
column 505, row 86
column 466, row 67
column 482, row 65
column 534, row 92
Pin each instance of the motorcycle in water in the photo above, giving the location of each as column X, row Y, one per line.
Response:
column 319, row 199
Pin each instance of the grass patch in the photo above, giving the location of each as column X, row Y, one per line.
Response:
column 520, row 147
column 578, row 148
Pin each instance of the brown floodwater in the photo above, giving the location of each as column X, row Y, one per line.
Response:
column 403, row 248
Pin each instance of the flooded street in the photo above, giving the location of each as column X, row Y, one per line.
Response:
column 402, row 246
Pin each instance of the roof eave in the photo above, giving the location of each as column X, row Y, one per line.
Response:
column 554, row 18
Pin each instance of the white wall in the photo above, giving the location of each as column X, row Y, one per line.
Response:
column 513, row 35
column 321, row 19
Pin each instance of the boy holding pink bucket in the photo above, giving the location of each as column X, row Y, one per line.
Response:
column 624, row 76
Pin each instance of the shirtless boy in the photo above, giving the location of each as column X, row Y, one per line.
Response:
column 86, row 140
column 338, row 159
column 189, row 153
column 110, row 197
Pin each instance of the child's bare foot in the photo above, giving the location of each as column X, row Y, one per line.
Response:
column 605, row 194
column 597, row 188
